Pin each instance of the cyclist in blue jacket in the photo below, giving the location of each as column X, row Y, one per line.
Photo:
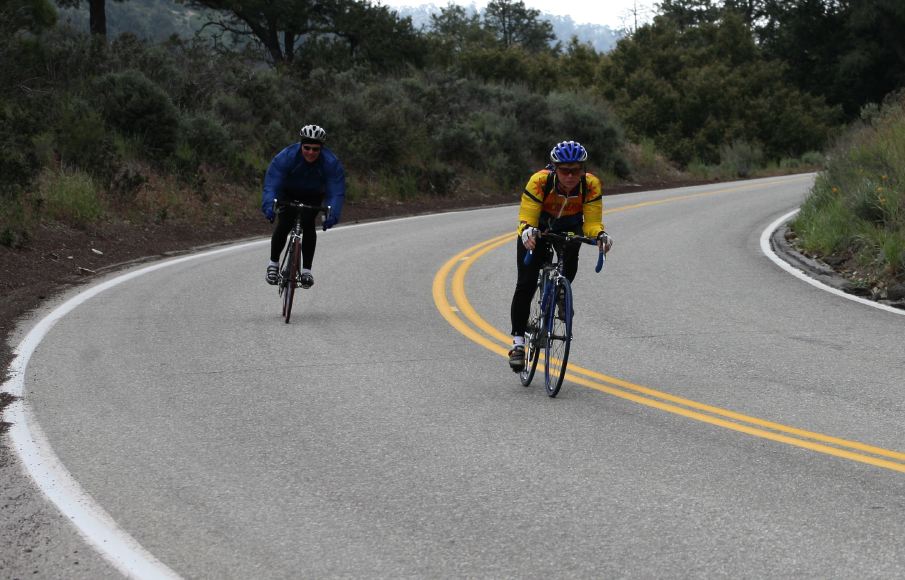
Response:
column 309, row 173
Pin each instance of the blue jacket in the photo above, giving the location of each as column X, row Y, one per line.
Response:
column 289, row 175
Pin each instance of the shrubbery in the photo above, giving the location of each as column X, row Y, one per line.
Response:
column 856, row 210
column 695, row 89
column 128, row 116
column 83, row 139
column 135, row 106
column 70, row 196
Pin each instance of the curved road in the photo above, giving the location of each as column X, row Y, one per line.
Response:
column 730, row 420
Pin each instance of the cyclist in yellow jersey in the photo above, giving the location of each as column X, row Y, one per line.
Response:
column 563, row 197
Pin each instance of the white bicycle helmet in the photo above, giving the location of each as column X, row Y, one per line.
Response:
column 313, row 132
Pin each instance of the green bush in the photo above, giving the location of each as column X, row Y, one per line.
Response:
column 857, row 205
column 70, row 197
column 60, row 59
column 83, row 139
column 126, row 182
column 18, row 162
column 205, row 136
column 264, row 93
column 183, row 161
column 15, row 222
column 456, row 143
column 867, row 201
column 438, row 179
column 813, row 159
column 136, row 106
column 379, row 126
column 499, row 152
column 248, row 165
column 590, row 121
column 825, row 228
column 883, row 251
column 231, row 108
column 274, row 137
column 741, row 158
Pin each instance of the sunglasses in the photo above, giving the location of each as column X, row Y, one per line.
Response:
column 570, row 170
column 310, row 148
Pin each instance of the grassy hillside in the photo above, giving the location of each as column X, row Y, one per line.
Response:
column 180, row 131
column 855, row 216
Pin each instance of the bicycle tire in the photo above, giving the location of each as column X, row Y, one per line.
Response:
column 294, row 259
column 559, row 337
column 282, row 281
column 532, row 339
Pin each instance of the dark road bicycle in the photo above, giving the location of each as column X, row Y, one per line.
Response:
column 289, row 277
column 550, row 321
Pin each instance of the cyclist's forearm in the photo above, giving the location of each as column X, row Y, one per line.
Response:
column 593, row 218
column 528, row 214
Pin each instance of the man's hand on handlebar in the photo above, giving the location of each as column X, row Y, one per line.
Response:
column 269, row 211
column 604, row 242
column 529, row 238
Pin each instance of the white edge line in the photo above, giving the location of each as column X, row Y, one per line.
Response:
column 38, row 458
column 41, row 463
column 767, row 249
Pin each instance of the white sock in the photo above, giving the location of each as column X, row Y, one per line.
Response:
column 518, row 341
column 306, row 270
column 272, row 263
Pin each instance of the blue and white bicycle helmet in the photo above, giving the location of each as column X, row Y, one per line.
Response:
column 568, row 152
column 313, row 133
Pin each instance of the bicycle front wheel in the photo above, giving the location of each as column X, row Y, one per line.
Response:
column 533, row 344
column 559, row 337
column 295, row 257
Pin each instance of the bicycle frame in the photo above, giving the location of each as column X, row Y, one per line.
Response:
column 550, row 324
column 289, row 275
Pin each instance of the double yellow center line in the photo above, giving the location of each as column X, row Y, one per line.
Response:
column 452, row 302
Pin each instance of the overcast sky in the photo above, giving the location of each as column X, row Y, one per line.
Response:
column 613, row 13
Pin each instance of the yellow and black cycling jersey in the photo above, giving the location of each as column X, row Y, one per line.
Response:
column 544, row 207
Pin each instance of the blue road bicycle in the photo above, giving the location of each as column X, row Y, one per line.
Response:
column 550, row 321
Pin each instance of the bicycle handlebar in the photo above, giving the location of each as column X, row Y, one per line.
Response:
column 601, row 257
column 324, row 208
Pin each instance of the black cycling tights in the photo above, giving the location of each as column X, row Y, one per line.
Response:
column 285, row 222
column 527, row 280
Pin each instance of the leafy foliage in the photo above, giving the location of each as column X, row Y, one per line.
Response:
column 454, row 31
column 857, row 207
column 283, row 28
column 472, row 102
column 31, row 15
column 694, row 87
column 512, row 23
column 136, row 106
column 848, row 52
column 70, row 196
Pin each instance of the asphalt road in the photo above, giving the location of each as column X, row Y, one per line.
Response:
column 373, row 438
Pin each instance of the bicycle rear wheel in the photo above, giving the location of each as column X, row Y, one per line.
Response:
column 559, row 337
column 295, row 256
column 533, row 343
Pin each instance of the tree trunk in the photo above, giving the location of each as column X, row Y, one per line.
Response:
column 272, row 42
column 98, row 17
column 289, row 45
